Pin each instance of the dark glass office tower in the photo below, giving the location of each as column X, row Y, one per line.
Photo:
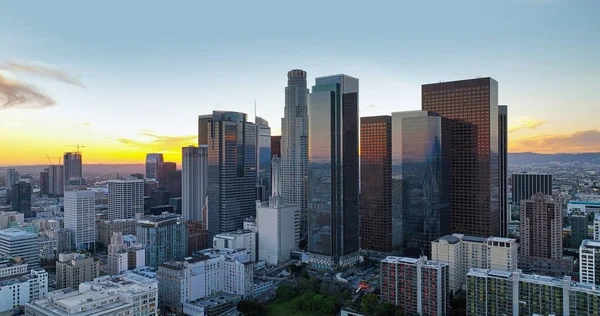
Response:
column 472, row 107
column 425, row 183
column 526, row 185
column 21, row 199
column 333, row 172
column 376, row 183
column 276, row 146
column 231, row 171
column 44, row 182
column 72, row 163
column 163, row 172
column 503, row 168
column 153, row 165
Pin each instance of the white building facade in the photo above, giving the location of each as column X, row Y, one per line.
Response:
column 194, row 181
column 18, row 243
column 19, row 287
column 125, row 199
column 80, row 218
column 236, row 240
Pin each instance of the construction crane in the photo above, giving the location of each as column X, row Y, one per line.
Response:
column 78, row 146
column 48, row 157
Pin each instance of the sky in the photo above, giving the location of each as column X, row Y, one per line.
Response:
column 124, row 78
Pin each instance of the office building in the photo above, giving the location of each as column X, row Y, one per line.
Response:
column 277, row 223
column 579, row 229
column 294, row 146
column 80, row 218
column 541, row 243
column 524, row 186
column 19, row 287
column 10, row 216
column 503, row 168
column 160, row 196
column 72, row 167
column 12, row 177
column 126, row 294
column 415, row 285
column 426, row 189
column 21, row 198
column 376, row 183
column 333, row 174
column 472, row 108
column 19, row 243
column 584, row 207
column 589, row 262
column 199, row 277
column 55, row 180
column 154, row 162
column 107, row 228
column 463, row 253
column 515, row 293
column 164, row 170
column 174, row 182
column 231, row 171
column 196, row 237
column 125, row 199
column 48, row 247
column 163, row 237
column 74, row 268
column 123, row 256
column 263, row 159
column 194, row 176
column 276, row 146
column 596, row 227
column 44, row 182
column 239, row 239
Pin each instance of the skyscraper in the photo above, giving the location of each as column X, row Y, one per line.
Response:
column 163, row 172
column 44, row 182
column 55, row 180
column 503, row 167
column 333, row 175
column 263, row 159
column 125, row 199
column 541, row 245
column 231, row 171
column 526, row 185
column 163, row 237
column 80, row 218
column 21, row 198
column 276, row 146
column 426, row 186
column 194, row 179
column 294, row 145
column 376, row 183
column 12, row 177
column 472, row 107
column 153, row 164
column 72, row 166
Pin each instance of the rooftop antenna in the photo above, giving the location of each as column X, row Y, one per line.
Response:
column 255, row 112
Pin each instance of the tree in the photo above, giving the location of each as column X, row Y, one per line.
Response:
column 249, row 307
column 369, row 303
column 285, row 292
column 387, row 309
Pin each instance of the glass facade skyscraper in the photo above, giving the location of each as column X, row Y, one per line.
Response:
column 72, row 163
column 231, row 171
column 263, row 159
column 333, row 172
column 153, row 165
column 503, row 167
column 425, row 182
column 524, row 185
column 472, row 107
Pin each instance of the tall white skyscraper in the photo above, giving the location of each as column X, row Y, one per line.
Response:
column 263, row 159
column 193, row 181
column 294, row 146
column 80, row 218
column 125, row 199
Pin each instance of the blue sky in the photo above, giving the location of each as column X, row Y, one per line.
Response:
column 153, row 66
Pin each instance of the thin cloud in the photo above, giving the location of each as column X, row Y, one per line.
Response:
column 15, row 94
column 524, row 122
column 577, row 142
column 371, row 106
column 42, row 72
column 160, row 143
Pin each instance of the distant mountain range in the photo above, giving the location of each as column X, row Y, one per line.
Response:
column 531, row 158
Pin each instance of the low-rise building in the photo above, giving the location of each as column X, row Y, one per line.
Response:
column 74, row 268
column 17, row 286
column 18, row 243
column 239, row 239
column 211, row 306
column 126, row 294
column 106, row 229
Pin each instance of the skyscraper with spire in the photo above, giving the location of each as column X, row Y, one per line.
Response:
column 294, row 146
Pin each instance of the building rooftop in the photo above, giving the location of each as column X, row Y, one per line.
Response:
column 449, row 238
column 502, row 239
column 593, row 203
column 474, row 239
column 590, row 243
column 231, row 235
column 215, row 300
column 13, row 232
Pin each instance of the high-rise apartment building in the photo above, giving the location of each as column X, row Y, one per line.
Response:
column 589, row 262
column 44, row 182
column 463, row 253
column 294, row 146
column 376, row 183
column 72, row 166
column 73, row 269
column 154, row 162
column 194, row 179
column 333, row 173
column 55, row 180
column 107, row 228
column 125, row 199
column 21, row 198
column 541, row 246
column 579, row 229
column 503, row 168
column 163, row 237
column 524, row 186
column 80, row 218
column 472, row 107
column 492, row 292
column 417, row 286
column 426, row 189
column 19, row 243
column 231, row 171
column 596, row 227
column 263, row 159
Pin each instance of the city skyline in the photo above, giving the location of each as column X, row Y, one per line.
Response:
column 542, row 57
